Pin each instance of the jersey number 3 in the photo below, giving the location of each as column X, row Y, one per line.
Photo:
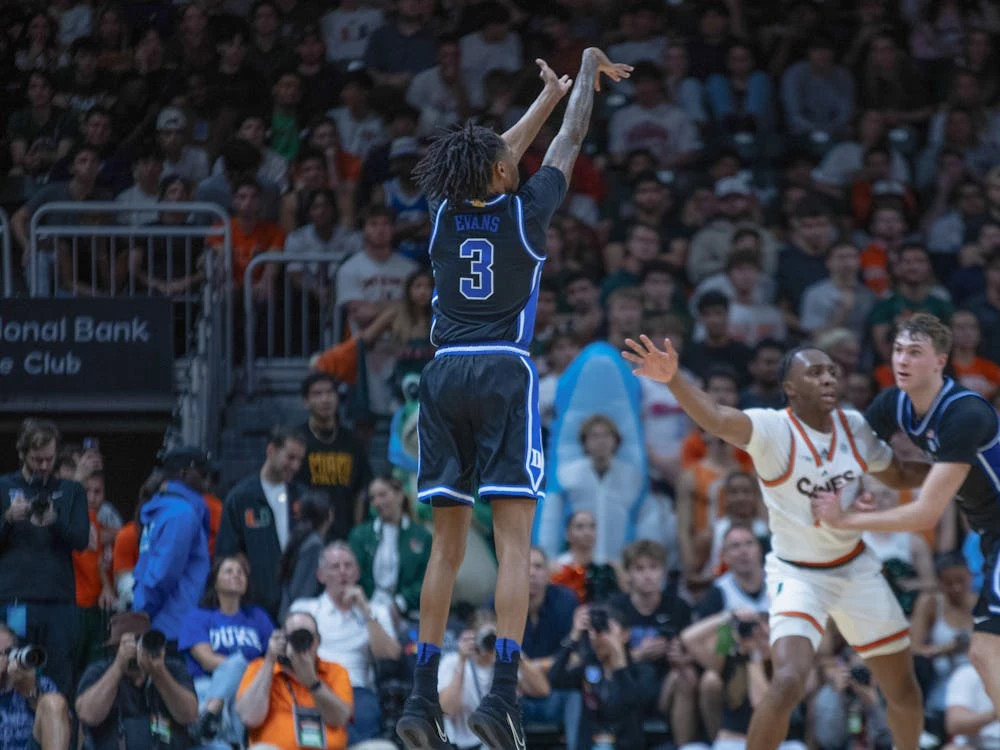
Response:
column 478, row 285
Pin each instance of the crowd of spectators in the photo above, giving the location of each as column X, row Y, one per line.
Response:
column 771, row 174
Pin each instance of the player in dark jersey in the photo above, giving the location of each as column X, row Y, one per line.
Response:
column 959, row 431
column 479, row 427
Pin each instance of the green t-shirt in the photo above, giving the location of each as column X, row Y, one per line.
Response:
column 897, row 307
column 284, row 135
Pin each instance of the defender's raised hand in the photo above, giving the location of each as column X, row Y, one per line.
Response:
column 654, row 363
column 561, row 85
column 614, row 71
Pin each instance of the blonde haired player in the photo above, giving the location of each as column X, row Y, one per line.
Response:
column 813, row 572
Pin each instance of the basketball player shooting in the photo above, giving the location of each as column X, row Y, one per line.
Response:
column 478, row 426
column 958, row 429
column 813, row 572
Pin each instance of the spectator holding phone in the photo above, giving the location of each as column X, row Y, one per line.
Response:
column 43, row 520
column 140, row 698
column 595, row 660
column 32, row 712
column 847, row 707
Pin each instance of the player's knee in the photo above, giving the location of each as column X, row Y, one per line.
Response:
column 51, row 706
column 710, row 686
column 981, row 656
column 788, row 687
column 450, row 552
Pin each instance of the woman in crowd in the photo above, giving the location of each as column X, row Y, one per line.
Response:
column 941, row 627
column 218, row 640
column 392, row 549
column 300, row 560
column 465, row 676
column 411, row 327
column 125, row 553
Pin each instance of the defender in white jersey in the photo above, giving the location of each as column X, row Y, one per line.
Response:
column 813, row 573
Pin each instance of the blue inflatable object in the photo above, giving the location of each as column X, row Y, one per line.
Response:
column 599, row 381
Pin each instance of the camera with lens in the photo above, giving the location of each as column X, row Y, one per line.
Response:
column 667, row 632
column 42, row 500
column 153, row 642
column 28, row 657
column 746, row 628
column 599, row 620
column 486, row 639
column 861, row 674
column 301, row 641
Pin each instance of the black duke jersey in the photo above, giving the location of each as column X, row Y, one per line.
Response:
column 960, row 427
column 487, row 260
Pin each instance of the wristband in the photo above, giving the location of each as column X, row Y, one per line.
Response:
column 315, row 686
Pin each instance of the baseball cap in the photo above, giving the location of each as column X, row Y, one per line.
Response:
column 136, row 623
column 171, row 118
column 187, row 457
column 731, row 186
column 405, row 146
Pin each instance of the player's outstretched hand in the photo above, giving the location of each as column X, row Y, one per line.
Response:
column 826, row 508
column 561, row 85
column 654, row 363
column 614, row 71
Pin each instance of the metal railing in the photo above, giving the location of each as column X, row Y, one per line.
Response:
column 83, row 240
column 8, row 255
column 297, row 320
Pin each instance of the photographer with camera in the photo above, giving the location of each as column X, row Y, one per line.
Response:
column 654, row 616
column 32, row 712
column 847, row 710
column 735, row 647
column 43, row 520
column 595, row 660
column 140, row 698
column 465, row 676
column 292, row 698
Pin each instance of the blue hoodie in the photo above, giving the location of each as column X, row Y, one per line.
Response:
column 173, row 557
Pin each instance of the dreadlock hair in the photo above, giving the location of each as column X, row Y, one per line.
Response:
column 459, row 164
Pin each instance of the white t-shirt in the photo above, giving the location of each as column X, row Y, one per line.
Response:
column 342, row 243
column 665, row 130
column 358, row 137
column 437, row 103
column 192, row 166
column 277, row 498
column 475, row 685
column 346, row 32
column 479, row 57
column 135, row 197
column 364, row 279
column 818, row 462
column 664, row 420
column 965, row 689
column 344, row 637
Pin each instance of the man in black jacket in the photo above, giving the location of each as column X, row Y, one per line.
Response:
column 43, row 520
column 258, row 515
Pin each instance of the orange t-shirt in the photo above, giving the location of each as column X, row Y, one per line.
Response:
column 341, row 361
column 875, row 268
column 266, row 237
column 574, row 578
column 980, row 375
column 126, row 553
column 87, row 567
column 694, row 449
column 278, row 728
column 214, row 506
column 884, row 377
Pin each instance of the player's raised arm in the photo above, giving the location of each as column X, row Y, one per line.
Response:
column 732, row 425
column 525, row 130
column 566, row 145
